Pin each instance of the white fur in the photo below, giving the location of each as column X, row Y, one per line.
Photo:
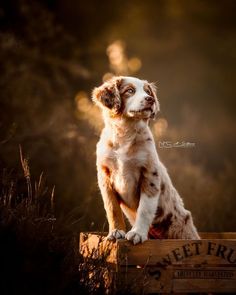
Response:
column 145, row 215
column 137, row 102
column 130, row 175
column 116, row 234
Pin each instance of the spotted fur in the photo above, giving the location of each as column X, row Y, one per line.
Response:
column 132, row 179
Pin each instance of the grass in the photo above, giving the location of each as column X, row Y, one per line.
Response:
column 39, row 252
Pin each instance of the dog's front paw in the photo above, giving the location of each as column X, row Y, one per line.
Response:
column 136, row 236
column 116, row 234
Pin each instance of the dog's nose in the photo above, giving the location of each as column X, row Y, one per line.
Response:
column 149, row 99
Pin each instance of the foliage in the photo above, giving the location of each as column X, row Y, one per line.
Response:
column 37, row 249
column 52, row 55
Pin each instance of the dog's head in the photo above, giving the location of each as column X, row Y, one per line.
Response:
column 127, row 96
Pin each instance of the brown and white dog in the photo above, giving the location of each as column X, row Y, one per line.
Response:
column 131, row 177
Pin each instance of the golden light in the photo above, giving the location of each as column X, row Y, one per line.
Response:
column 117, row 57
column 115, row 52
column 79, row 95
column 107, row 76
column 119, row 62
column 82, row 101
column 87, row 111
column 119, row 65
column 160, row 127
column 134, row 64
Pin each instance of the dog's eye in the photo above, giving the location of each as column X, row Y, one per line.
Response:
column 130, row 91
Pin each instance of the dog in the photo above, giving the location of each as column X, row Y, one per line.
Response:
column 132, row 180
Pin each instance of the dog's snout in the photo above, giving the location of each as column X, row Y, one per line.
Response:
column 149, row 99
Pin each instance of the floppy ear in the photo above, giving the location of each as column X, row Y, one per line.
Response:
column 154, row 92
column 108, row 95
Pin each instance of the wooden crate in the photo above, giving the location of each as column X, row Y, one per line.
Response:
column 164, row 266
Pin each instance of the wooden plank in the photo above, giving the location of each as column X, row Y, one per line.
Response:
column 210, row 279
column 146, row 280
column 218, row 286
column 164, row 266
column 163, row 252
column 203, row 235
column 95, row 246
column 177, row 280
column 214, row 235
column 166, row 252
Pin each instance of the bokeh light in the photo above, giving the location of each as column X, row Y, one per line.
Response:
column 120, row 64
column 160, row 127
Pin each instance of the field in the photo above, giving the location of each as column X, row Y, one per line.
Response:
column 53, row 54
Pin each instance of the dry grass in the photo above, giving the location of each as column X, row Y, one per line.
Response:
column 36, row 248
column 98, row 276
column 39, row 252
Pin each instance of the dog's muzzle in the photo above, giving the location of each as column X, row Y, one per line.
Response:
column 149, row 100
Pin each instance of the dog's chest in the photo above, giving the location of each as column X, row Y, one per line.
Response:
column 125, row 174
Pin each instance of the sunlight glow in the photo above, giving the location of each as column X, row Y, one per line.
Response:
column 82, row 102
column 134, row 64
column 117, row 57
column 120, row 64
column 160, row 127
column 88, row 111
column 107, row 76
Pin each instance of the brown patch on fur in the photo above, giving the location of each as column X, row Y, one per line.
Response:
column 159, row 212
column 186, row 219
column 123, row 95
column 109, row 96
column 149, row 187
column 160, row 230
column 106, row 170
column 118, row 197
column 163, row 187
column 119, row 83
column 133, row 148
column 149, row 184
column 155, row 173
column 110, row 144
column 147, row 88
column 123, row 87
column 153, row 88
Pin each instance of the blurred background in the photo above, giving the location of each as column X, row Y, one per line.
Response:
column 54, row 52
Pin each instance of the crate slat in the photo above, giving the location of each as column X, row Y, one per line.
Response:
column 164, row 266
column 215, row 235
column 164, row 252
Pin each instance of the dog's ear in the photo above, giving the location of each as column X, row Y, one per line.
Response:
column 153, row 88
column 108, row 95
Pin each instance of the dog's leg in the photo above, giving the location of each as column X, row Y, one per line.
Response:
column 145, row 215
column 114, row 214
